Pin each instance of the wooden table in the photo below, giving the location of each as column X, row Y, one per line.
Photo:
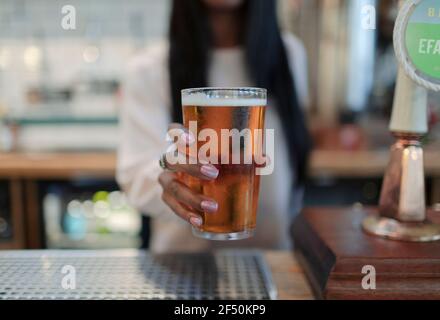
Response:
column 288, row 276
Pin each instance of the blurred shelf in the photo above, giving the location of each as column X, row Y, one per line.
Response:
column 60, row 120
column 103, row 164
column 57, row 165
column 362, row 163
column 24, row 170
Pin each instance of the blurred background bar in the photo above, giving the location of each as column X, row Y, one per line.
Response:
column 58, row 120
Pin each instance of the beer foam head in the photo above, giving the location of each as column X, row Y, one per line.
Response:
column 202, row 99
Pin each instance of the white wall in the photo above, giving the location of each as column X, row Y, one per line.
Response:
column 35, row 48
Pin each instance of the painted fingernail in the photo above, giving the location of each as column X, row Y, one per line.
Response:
column 195, row 221
column 209, row 206
column 187, row 137
column 268, row 160
column 209, row 171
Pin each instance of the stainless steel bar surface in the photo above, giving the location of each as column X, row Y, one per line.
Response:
column 133, row 274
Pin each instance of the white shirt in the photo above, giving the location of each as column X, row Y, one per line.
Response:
column 144, row 121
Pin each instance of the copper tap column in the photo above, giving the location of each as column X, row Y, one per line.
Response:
column 402, row 205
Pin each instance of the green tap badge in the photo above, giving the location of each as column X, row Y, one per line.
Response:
column 417, row 41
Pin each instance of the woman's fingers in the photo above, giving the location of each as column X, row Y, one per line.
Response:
column 183, row 195
column 181, row 163
column 263, row 161
column 177, row 208
column 180, row 135
column 175, row 125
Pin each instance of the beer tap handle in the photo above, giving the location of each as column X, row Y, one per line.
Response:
column 410, row 109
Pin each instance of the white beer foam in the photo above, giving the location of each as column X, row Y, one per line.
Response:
column 199, row 99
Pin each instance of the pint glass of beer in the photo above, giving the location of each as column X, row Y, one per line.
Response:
column 224, row 112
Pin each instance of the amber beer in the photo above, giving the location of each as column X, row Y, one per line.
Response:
column 237, row 187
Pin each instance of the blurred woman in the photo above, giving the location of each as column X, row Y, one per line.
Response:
column 215, row 43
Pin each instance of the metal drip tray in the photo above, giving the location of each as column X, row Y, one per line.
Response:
column 132, row 274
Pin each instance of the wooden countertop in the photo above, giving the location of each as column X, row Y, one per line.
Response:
column 288, row 276
column 68, row 165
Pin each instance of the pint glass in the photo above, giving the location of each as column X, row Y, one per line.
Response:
column 224, row 112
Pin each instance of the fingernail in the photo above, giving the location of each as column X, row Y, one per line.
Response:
column 268, row 161
column 195, row 221
column 209, row 171
column 209, row 206
column 187, row 137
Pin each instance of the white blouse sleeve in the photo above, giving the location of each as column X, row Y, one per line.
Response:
column 297, row 57
column 144, row 121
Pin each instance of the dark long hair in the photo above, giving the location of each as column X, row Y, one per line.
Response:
column 267, row 64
